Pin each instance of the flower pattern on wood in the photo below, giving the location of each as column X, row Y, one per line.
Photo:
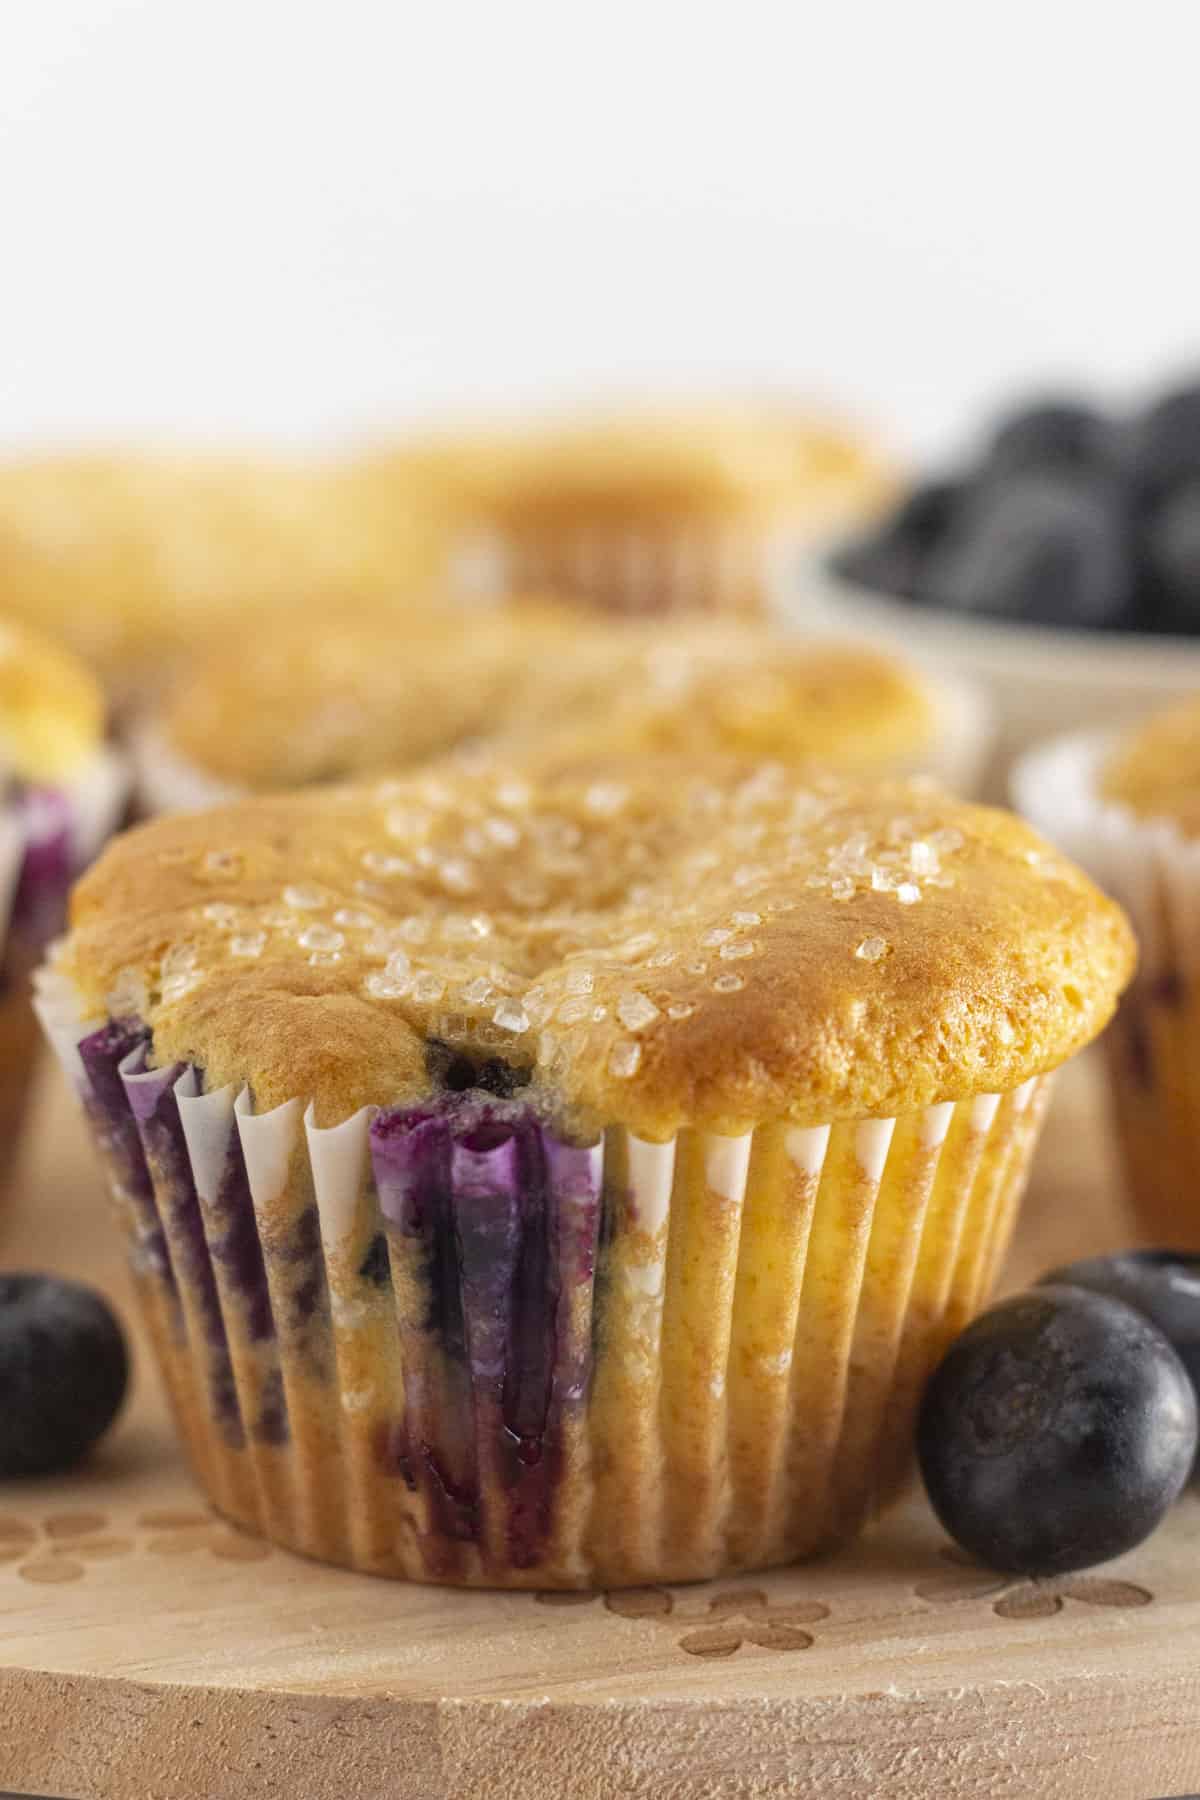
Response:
column 731, row 1619
column 1019, row 1597
column 62, row 1546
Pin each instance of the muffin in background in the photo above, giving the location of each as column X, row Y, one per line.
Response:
column 64, row 791
column 1128, row 807
column 133, row 558
column 567, row 1177
column 685, row 508
column 368, row 694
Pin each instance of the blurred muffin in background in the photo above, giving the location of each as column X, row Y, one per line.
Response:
column 650, row 511
column 1127, row 806
column 62, row 792
column 132, row 559
column 366, row 695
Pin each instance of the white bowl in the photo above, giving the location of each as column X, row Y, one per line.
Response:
column 1042, row 681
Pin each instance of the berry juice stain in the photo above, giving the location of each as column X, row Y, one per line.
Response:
column 501, row 1221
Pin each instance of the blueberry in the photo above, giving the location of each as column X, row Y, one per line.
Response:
column 1054, row 433
column 1166, row 444
column 893, row 556
column 1053, row 549
column 1057, row 1432
column 458, row 1072
column 1163, row 1285
column 63, row 1372
column 1171, row 546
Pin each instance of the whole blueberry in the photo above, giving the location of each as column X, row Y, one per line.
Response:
column 1057, row 1432
column 63, row 1372
column 1166, row 444
column 1050, row 549
column 1163, row 1285
column 892, row 557
column 1057, row 432
column 1171, row 548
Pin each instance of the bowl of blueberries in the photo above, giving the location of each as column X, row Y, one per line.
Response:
column 1059, row 568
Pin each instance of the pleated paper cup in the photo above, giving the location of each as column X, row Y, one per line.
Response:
column 1153, row 1044
column 664, row 570
column 958, row 752
column 443, row 1343
column 167, row 782
column 47, row 835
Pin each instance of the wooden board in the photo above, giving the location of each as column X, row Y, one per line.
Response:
column 149, row 1653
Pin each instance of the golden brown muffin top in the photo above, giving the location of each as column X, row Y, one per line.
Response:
column 367, row 695
column 660, row 942
column 51, row 708
column 1155, row 772
column 131, row 558
column 681, row 462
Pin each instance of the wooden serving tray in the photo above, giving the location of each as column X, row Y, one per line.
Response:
column 148, row 1652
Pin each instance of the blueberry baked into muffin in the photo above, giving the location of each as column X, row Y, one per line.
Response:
column 62, row 790
column 368, row 695
column 568, row 1176
column 1128, row 807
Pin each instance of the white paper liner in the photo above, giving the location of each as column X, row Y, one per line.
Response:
column 167, row 782
column 46, row 836
column 98, row 797
column 93, row 803
column 1154, row 1043
column 1146, row 864
column 962, row 741
column 720, row 568
column 766, row 1310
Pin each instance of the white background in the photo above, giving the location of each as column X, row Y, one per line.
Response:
column 293, row 220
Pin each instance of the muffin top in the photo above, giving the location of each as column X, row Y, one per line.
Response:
column 51, row 708
column 131, row 558
column 686, row 461
column 653, row 942
column 1155, row 772
column 367, row 695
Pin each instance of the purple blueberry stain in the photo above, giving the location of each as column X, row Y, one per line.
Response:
column 40, row 902
column 433, row 1450
column 272, row 1424
column 116, row 1133
column 301, row 1253
column 490, row 1247
column 376, row 1268
column 155, row 1110
column 234, row 1243
column 500, row 1219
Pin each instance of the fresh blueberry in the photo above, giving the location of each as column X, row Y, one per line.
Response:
column 1051, row 549
column 892, row 557
column 1166, row 444
column 1171, row 544
column 1163, row 1285
column 1054, row 433
column 1057, row 1432
column 63, row 1372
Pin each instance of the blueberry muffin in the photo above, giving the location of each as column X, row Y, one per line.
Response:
column 63, row 792
column 680, row 509
column 1128, row 807
column 566, row 1177
column 132, row 558
column 368, row 695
